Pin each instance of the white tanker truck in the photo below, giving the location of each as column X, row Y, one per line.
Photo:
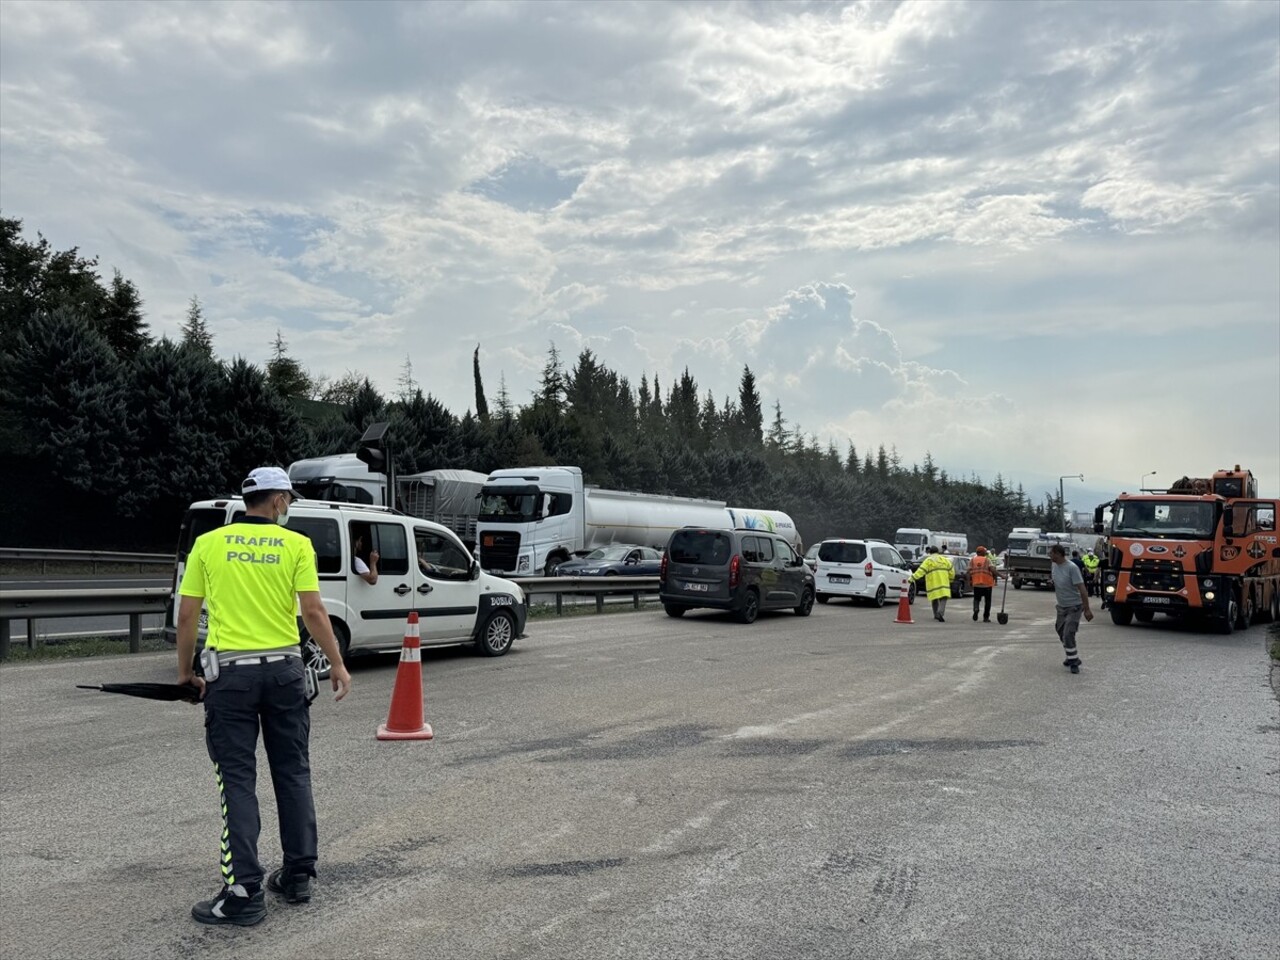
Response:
column 536, row 517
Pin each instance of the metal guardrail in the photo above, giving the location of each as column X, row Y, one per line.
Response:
column 92, row 557
column 31, row 605
column 135, row 602
column 600, row 587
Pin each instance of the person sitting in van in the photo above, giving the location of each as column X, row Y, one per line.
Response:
column 368, row 572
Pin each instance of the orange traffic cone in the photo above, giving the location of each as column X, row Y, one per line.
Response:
column 904, row 607
column 405, row 722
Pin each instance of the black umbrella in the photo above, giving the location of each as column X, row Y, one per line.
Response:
column 149, row 691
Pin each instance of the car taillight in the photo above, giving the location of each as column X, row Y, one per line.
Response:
column 662, row 569
column 868, row 569
column 735, row 571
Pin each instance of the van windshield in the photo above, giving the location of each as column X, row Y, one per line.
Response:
column 706, row 547
column 842, row 552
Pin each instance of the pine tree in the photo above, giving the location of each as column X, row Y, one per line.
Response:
column 406, row 386
column 750, row 413
column 851, row 460
column 778, row 436
column 195, row 332
column 121, row 318
column 482, row 403
column 285, row 374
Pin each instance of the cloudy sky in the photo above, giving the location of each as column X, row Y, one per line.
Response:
column 1037, row 239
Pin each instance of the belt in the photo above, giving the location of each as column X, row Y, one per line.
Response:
column 256, row 661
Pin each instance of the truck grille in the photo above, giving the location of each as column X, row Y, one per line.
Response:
column 1156, row 575
column 498, row 550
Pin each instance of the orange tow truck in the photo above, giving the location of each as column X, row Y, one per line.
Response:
column 1205, row 549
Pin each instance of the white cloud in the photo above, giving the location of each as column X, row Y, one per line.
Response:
column 1046, row 176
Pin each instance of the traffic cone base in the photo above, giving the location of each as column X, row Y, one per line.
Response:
column 904, row 607
column 424, row 734
column 405, row 720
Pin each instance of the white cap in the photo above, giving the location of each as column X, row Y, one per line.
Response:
column 268, row 478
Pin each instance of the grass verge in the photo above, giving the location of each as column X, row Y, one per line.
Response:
column 547, row 611
column 82, row 647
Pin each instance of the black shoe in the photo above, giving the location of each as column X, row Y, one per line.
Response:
column 975, row 616
column 942, row 619
column 1075, row 668
column 243, row 910
column 986, row 619
column 294, row 887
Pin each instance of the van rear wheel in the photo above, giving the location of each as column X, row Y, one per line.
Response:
column 674, row 610
column 750, row 608
column 880, row 595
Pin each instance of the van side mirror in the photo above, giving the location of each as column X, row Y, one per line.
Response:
column 474, row 571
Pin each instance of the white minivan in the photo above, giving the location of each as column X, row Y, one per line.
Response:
column 423, row 566
column 871, row 571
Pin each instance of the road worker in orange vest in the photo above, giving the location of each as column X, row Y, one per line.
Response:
column 982, row 575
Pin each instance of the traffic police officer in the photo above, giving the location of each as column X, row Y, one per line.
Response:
column 1091, row 564
column 253, row 575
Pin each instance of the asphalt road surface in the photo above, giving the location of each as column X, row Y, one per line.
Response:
column 634, row 786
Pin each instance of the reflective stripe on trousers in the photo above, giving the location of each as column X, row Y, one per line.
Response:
column 270, row 698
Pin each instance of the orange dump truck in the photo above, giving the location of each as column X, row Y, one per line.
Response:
column 1205, row 549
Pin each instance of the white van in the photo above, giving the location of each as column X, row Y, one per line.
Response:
column 867, row 570
column 423, row 566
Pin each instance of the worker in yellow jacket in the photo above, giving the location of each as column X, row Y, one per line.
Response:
column 936, row 571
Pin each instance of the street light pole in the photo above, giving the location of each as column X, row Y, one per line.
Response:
column 1062, row 502
column 1143, row 482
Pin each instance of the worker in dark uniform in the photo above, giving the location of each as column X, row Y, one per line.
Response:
column 253, row 575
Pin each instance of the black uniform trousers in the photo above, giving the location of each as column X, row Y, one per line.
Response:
column 270, row 697
column 982, row 595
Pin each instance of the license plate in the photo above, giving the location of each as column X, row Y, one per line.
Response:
column 838, row 578
column 697, row 587
column 1156, row 600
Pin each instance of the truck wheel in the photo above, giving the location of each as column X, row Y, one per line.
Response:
column 1017, row 584
column 822, row 598
column 1144, row 616
column 1225, row 625
column 1121, row 615
column 1244, row 614
column 498, row 633
column 880, row 596
column 673, row 610
column 750, row 607
column 806, row 603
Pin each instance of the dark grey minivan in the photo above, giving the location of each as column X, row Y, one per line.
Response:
column 744, row 571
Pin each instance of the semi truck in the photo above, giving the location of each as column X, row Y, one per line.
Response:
column 1204, row 550
column 911, row 542
column 533, row 518
column 447, row 497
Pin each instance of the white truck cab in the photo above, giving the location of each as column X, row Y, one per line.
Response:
column 423, row 566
